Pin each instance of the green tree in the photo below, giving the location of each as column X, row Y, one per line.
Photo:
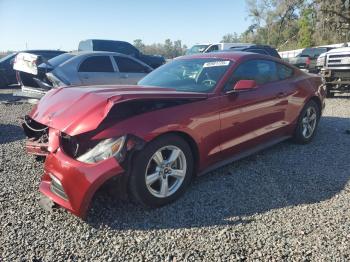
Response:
column 230, row 38
column 306, row 28
column 139, row 45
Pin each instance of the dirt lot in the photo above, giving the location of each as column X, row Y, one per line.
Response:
column 289, row 202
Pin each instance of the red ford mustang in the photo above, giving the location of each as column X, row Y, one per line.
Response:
column 185, row 118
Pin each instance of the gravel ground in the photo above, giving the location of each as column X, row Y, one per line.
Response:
column 289, row 203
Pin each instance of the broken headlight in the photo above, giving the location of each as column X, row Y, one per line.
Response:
column 103, row 150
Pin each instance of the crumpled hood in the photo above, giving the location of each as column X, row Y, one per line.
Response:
column 77, row 110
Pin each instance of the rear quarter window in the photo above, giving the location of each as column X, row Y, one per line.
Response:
column 96, row 64
column 126, row 65
column 284, row 71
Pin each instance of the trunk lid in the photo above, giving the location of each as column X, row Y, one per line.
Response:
column 77, row 110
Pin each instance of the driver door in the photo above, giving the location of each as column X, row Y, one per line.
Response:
column 250, row 118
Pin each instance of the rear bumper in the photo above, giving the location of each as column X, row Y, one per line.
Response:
column 79, row 181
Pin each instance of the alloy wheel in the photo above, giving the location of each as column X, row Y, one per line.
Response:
column 166, row 171
column 309, row 122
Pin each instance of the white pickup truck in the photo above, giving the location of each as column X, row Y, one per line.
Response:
column 336, row 70
column 207, row 48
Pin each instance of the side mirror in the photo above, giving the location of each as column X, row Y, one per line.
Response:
column 244, row 85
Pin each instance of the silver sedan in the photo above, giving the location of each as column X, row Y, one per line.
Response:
column 82, row 68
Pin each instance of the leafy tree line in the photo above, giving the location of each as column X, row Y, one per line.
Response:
column 284, row 24
column 291, row 24
column 169, row 49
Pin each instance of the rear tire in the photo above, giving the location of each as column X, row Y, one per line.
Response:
column 161, row 172
column 307, row 123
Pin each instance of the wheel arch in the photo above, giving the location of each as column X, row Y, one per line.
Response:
column 317, row 100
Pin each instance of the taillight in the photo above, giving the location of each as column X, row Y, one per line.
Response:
column 308, row 61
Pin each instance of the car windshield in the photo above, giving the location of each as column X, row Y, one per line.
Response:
column 60, row 59
column 196, row 49
column 189, row 75
column 7, row 57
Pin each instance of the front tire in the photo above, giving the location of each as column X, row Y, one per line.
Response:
column 161, row 172
column 307, row 123
column 329, row 93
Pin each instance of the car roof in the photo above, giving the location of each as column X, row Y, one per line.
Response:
column 76, row 53
column 235, row 56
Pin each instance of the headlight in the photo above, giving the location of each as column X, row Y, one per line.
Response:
column 105, row 149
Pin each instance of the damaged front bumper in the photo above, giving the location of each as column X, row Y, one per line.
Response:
column 34, row 147
column 72, row 184
column 37, row 137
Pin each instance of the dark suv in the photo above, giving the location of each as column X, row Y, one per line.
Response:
column 8, row 75
column 259, row 49
column 122, row 47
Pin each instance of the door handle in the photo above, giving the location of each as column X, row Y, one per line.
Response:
column 85, row 76
column 124, row 76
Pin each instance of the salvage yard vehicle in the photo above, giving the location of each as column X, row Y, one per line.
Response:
column 241, row 47
column 8, row 75
column 121, row 47
column 259, row 49
column 336, row 71
column 207, row 48
column 307, row 59
column 81, row 68
column 187, row 117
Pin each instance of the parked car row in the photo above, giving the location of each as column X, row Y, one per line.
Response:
column 98, row 62
column 331, row 62
column 183, row 119
column 8, row 75
column 224, row 47
column 82, row 68
column 101, row 62
column 335, row 69
column 307, row 58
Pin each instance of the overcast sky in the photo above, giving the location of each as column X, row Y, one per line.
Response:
column 48, row 24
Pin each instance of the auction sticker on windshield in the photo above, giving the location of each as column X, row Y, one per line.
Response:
column 216, row 63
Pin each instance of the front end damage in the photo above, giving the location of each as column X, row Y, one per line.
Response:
column 38, row 137
column 70, row 182
column 84, row 148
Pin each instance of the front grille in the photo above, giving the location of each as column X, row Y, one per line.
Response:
column 58, row 190
column 339, row 65
column 338, row 60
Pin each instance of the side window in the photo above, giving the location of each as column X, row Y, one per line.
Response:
column 213, row 48
column 319, row 51
column 262, row 71
column 127, row 65
column 284, row 72
column 96, row 64
column 307, row 52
